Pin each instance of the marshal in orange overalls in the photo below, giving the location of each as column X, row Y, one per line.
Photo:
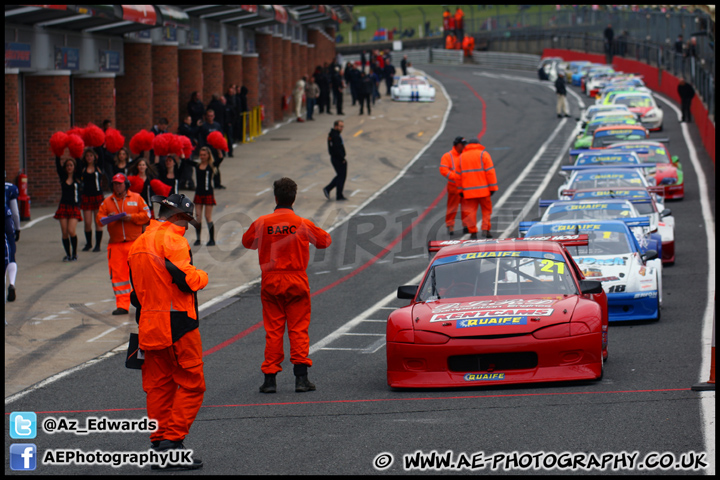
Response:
column 282, row 240
column 123, row 233
column 477, row 182
column 448, row 169
column 166, row 285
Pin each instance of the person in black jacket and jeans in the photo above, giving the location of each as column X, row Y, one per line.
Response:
column 337, row 157
column 686, row 93
column 561, row 91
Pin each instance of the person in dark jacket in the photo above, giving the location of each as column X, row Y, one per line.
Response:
column 187, row 129
column 336, row 148
column 230, row 117
column 322, row 78
column 196, row 109
column 403, row 64
column 561, row 91
column 218, row 107
column 366, row 91
column 338, row 85
column 686, row 93
column 389, row 72
column 242, row 106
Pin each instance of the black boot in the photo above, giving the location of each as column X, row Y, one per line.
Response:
column 211, row 230
column 198, row 230
column 73, row 242
column 302, row 384
column 66, row 246
column 269, row 386
column 166, row 445
column 98, row 240
column 88, row 241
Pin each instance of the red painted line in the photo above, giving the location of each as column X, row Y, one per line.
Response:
column 377, row 257
column 484, row 122
column 368, row 400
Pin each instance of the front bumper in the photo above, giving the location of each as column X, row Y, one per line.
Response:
column 412, row 365
column 674, row 192
column 625, row 307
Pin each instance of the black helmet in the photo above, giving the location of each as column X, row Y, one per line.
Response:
column 178, row 204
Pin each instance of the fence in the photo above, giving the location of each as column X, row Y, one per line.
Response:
column 513, row 61
column 251, row 125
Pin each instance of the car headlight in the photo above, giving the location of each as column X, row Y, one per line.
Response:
column 652, row 114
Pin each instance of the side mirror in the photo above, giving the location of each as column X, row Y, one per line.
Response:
column 675, row 159
column 563, row 173
column 407, row 292
column 590, row 286
column 665, row 213
column 649, row 255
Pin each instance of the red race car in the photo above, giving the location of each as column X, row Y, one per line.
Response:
column 492, row 312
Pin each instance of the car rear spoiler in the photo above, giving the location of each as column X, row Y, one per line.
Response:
column 636, row 221
column 649, row 139
column 622, row 165
column 658, row 190
column 567, row 240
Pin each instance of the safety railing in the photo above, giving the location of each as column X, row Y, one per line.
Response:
column 251, row 127
column 454, row 57
column 513, row 61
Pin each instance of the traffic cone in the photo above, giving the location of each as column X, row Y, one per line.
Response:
column 710, row 384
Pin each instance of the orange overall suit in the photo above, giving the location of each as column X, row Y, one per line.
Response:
column 282, row 240
column 122, row 235
column 448, row 169
column 166, row 284
column 477, row 181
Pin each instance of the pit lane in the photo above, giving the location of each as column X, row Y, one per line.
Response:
column 354, row 415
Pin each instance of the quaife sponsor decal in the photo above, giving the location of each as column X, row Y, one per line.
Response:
column 474, row 377
column 492, row 321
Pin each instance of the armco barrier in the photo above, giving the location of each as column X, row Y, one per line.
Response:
column 657, row 80
column 513, row 61
column 453, row 57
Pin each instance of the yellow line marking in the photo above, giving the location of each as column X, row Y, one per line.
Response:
column 420, row 134
column 357, row 133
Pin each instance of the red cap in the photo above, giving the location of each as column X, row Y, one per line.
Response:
column 119, row 178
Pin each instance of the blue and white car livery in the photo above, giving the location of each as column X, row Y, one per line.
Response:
column 413, row 89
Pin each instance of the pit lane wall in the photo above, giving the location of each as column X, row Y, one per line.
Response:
column 658, row 80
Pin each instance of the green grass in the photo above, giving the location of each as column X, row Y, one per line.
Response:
column 413, row 18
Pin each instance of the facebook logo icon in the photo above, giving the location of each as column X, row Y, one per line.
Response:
column 23, row 456
column 23, row 425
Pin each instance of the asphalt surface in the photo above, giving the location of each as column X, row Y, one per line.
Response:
column 643, row 404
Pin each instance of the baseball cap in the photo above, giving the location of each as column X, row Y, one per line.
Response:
column 119, row 178
column 178, row 204
column 459, row 140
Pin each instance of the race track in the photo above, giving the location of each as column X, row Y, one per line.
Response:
column 642, row 405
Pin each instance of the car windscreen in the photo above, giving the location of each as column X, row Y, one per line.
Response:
column 588, row 211
column 635, row 101
column 498, row 273
column 640, row 198
column 587, row 180
column 413, row 81
column 601, row 139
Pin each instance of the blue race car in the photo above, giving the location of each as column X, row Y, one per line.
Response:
column 631, row 279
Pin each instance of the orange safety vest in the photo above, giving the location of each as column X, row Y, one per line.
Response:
column 450, row 42
column 448, row 166
column 166, row 284
column 282, row 239
column 477, row 173
column 132, row 204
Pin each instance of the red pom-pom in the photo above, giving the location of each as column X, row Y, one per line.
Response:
column 76, row 145
column 216, row 140
column 161, row 144
column 136, row 184
column 80, row 132
column 160, row 188
column 176, row 144
column 186, row 145
column 93, row 136
column 58, row 142
column 114, row 141
column 141, row 142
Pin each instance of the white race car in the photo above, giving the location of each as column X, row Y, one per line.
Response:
column 413, row 89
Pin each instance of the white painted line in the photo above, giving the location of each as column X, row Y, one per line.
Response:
column 371, row 214
column 37, row 220
column 309, row 187
column 707, row 401
column 346, row 268
column 108, row 331
column 374, row 347
column 411, row 256
column 366, row 334
column 323, row 272
column 344, row 349
column 49, row 317
column 378, row 321
column 263, row 191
